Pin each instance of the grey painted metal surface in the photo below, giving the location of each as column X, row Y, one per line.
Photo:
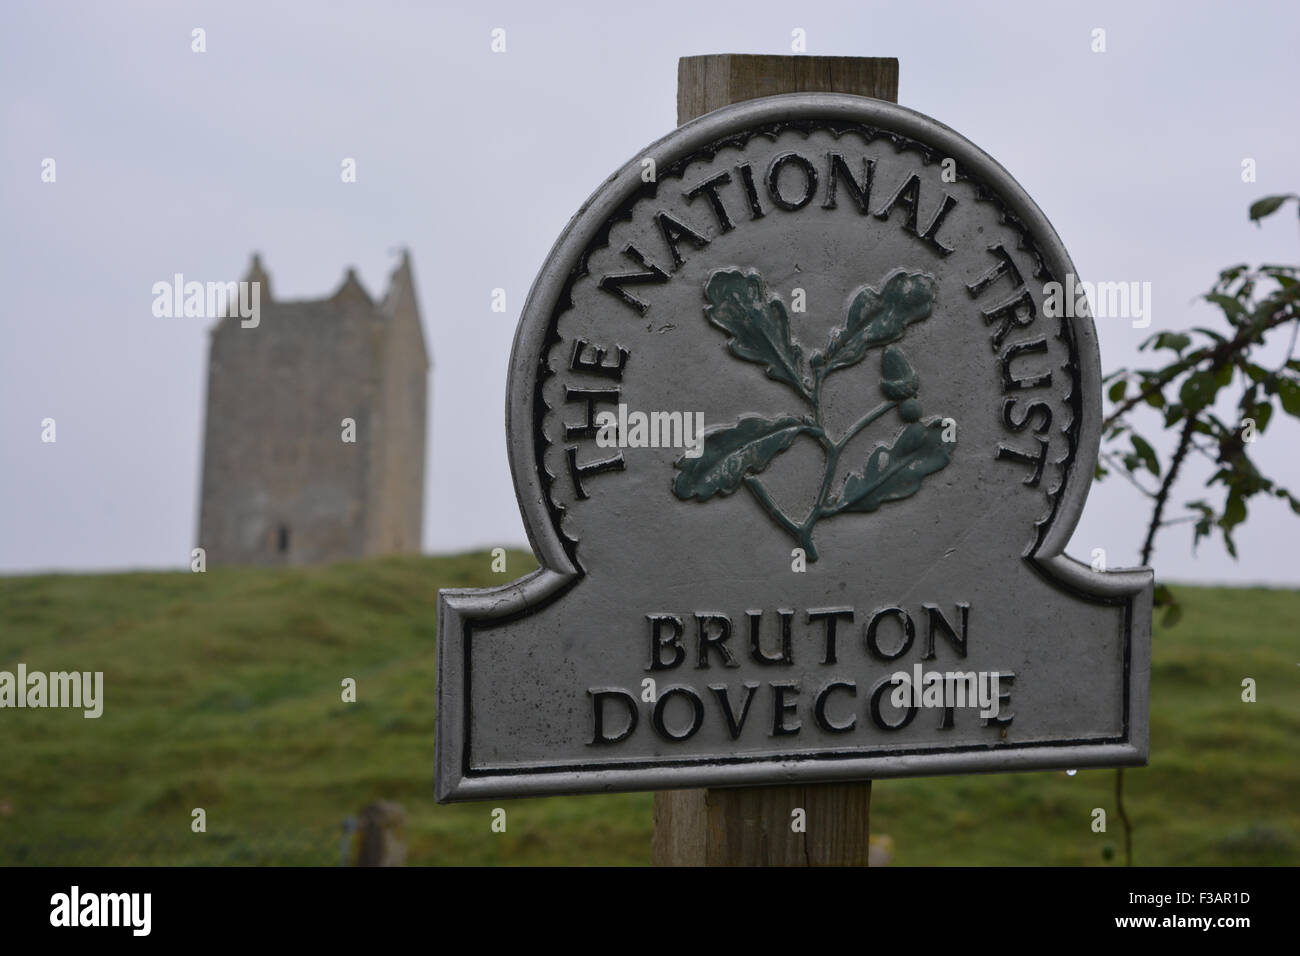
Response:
column 898, row 444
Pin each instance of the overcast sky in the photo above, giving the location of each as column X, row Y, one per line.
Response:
column 173, row 161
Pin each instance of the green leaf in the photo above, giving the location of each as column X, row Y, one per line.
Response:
column 1147, row 454
column 1257, row 373
column 1229, row 543
column 1267, row 206
column 1173, row 340
column 878, row 318
column 1203, row 526
column 1285, row 276
column 1230, row 306
column 731, row 453
column 1288, row 389
column 1234, row 512
column 1173, row 614
column 895, row 472
column 898, row 380
column 1198, row 390
column 758, row 326
column 1168, row 340
column 1116, row 393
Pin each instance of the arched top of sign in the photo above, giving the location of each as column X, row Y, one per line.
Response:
column 732, row 127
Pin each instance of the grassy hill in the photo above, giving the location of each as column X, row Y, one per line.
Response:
column 222, row 692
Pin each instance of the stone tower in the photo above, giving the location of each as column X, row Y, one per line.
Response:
column 281, row 484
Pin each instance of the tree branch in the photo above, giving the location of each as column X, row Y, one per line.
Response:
column 1120, row 470
column 1162, row 496
column 1218, row 354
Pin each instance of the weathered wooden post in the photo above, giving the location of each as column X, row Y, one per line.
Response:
column 751, row 826
column 707, row 83
column 800, row 422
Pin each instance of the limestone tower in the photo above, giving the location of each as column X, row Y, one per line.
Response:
column 282, row 482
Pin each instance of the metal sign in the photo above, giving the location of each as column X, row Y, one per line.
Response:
column 800, row 430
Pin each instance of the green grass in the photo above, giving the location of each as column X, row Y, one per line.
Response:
column 223, row 692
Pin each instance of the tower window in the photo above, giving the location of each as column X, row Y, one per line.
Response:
column 282, row 539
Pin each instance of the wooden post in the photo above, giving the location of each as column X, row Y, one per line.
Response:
column 706, row 83
column 751, row 826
